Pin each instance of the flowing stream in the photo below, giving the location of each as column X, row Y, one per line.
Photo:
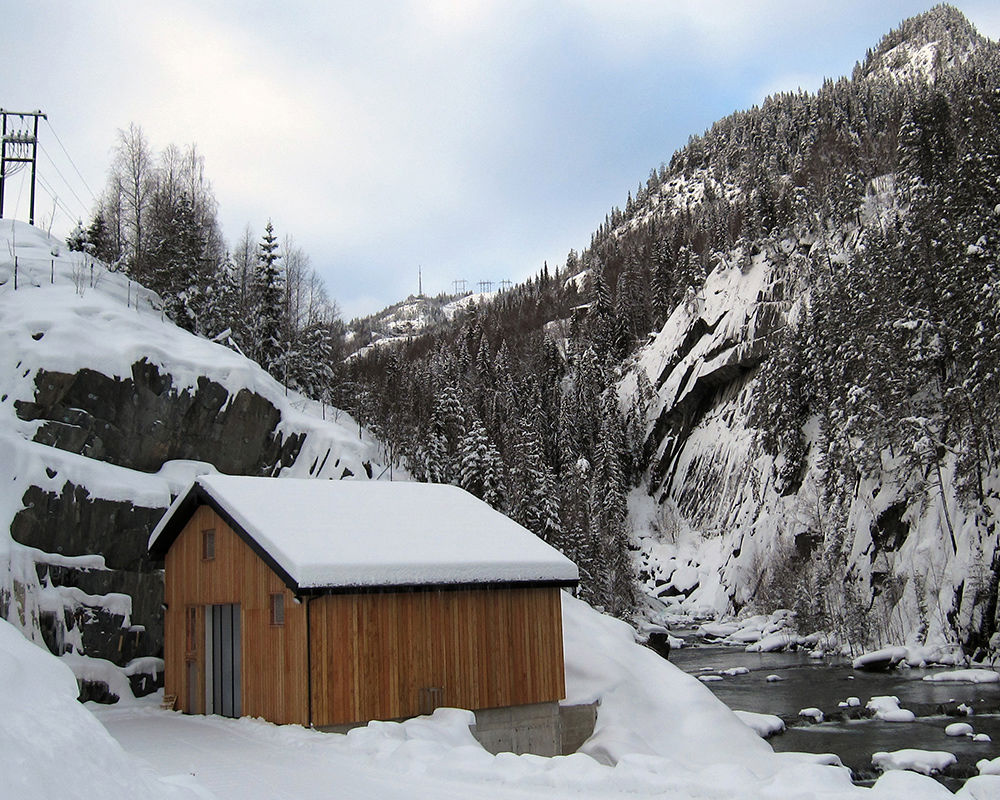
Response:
column 823, row 683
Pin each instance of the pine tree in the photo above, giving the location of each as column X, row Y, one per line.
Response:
column 608, row 516
column 77, row 240
column 481, row 471
column 268, row 293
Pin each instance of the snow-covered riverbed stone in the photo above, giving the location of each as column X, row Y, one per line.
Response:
column 926, row 762
column 886, row 708
column 959, row 729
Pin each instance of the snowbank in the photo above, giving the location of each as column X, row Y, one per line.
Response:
column 52, row 745
column 764, row 725
column 648, row 706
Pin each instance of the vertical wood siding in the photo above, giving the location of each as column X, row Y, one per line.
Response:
column 274, row 657
column 373, row 653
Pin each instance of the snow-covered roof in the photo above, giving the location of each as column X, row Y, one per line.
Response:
column 321, row 534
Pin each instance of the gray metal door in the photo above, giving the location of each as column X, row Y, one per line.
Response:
column 227, row 684
column 192, row 687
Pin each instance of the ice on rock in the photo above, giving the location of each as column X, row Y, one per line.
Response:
column 812, row 713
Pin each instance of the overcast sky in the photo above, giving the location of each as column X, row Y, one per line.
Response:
column 472, row 139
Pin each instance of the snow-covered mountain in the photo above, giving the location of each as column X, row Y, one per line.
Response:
column 415, row 316
column 797, row 314
column 107, row 409
column 731, row 519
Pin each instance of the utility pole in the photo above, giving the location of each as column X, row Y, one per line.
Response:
column 420, row 281
column 19, row 146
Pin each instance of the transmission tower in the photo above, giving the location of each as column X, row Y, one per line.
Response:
column 19, row 145
column 459, row 286
column 485, row 286
column 505, row 285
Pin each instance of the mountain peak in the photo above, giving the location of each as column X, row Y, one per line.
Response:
column 922, row 45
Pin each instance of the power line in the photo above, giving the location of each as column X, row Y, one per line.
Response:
column 73, row 163
column 63, row 177
column 55, row 198
column 20, row 191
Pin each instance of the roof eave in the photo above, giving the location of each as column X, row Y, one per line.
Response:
column 313, row 591
column 198, row 495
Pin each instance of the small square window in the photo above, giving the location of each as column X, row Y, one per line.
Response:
column 278, row 609
column 208, row 544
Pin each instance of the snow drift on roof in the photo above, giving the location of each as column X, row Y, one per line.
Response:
column 328, row 534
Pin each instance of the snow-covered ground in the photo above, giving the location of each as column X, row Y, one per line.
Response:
column 660, row 733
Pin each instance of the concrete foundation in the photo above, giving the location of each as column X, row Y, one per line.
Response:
column 544, row 729
column 519, row 729
column 577, row 725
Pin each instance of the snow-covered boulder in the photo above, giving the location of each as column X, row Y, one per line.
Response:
column 959, row 729
column 886, row 708
column 988, row 766
column 926, row 762
column 965, row 676
column 883, row 659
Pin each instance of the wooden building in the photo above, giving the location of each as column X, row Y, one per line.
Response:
column 327, row 603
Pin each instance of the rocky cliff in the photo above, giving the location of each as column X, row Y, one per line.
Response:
column 722, row 526
column 106, row 411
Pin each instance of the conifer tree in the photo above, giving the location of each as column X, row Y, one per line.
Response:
column 268, row 291
column 481, row 466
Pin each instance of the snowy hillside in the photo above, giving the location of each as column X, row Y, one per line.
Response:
column 107, row 410
column 402, row 322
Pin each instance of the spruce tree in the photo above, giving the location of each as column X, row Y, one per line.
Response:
column 268, row 292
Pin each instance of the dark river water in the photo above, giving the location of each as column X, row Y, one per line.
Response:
column 824, row 683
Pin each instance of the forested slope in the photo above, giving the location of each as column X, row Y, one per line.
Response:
column 817, row 407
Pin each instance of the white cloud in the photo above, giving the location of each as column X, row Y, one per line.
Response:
column 463, row 134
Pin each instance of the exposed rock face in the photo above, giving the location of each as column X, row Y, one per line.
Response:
column 72, row 523
column 141, row 422
column 917, row 560
column 107, row 410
